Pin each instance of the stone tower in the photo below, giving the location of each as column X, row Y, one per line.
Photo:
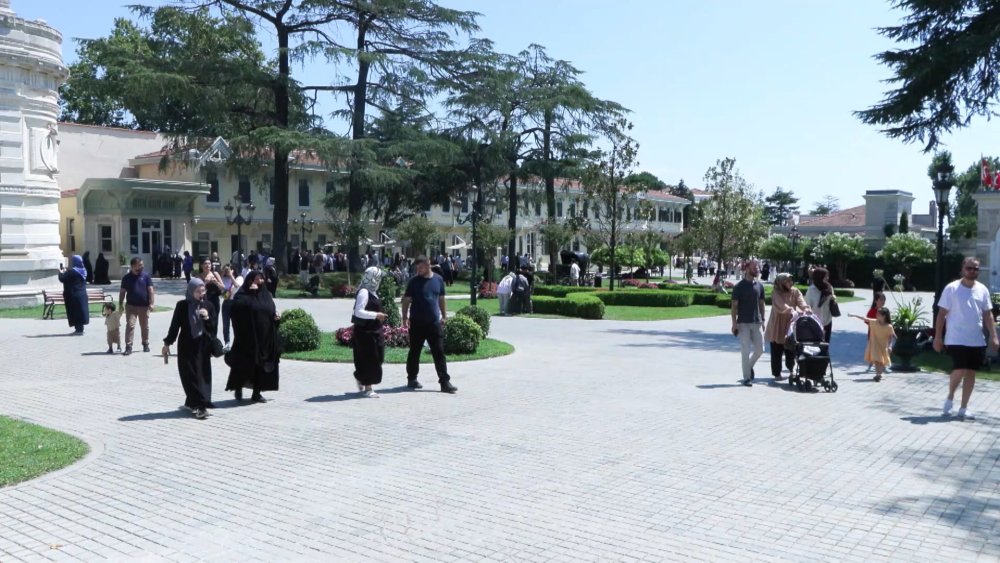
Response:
column 31, row 71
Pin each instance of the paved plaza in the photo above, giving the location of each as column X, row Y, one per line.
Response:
column 594, row 441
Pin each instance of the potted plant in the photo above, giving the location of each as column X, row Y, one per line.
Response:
column 123, row 267
column 908, row 320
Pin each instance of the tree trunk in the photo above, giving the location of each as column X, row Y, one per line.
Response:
column 355, row 194
column 512, row 221
column 280, row 216
column 550, row 185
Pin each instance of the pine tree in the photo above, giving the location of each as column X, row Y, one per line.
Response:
column 780, row 206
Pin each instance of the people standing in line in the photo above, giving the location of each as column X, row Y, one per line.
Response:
column 747, row 312
column 368, row 340
column 880, row 337
column 88, row 267
column 574, row 273
column 191, row 327
column 255, row 353
column 819, row 297
column 230, row 285
column 188, row 266
column 878, row 301
column 271, row 276
column 964, row 314
column 102, row 270
column 74, row 282
column 424, row 314
column 213, row 290
column 137, row 295
column 112, row 325
column 786, row 300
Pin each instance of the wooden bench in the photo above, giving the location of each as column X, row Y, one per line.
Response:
column 53, row 298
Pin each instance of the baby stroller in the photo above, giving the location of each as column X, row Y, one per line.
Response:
column 812, row 355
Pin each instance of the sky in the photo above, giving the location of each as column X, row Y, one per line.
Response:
column 771, row 83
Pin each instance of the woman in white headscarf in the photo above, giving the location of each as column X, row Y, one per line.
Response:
column 192, row 324
column 368, row 340
column 271, row 276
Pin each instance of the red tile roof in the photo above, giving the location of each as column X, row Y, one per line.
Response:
column 68, row 193
column 853, row 217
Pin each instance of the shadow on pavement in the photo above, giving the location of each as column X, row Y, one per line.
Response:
column 165, row 415
column 51, row 335
column 352, row 395
column 921, row 420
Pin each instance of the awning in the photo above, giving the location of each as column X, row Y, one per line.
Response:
column 461, row 244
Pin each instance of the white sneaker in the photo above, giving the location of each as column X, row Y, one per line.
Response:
column 946, row 411
column 371, row 394
column 962, row 413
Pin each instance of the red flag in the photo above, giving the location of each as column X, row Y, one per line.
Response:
column 996, row 180
column 985, row 175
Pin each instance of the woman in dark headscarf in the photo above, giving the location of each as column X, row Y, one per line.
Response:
column 254, row 357
column 101, row 268
column 191, row 327
column 819, row 296
column 74, row 283
column 368, row 340
column 88, row 266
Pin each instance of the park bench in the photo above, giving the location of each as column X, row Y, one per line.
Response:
column 53, row 298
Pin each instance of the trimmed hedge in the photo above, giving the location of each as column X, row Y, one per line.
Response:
column 579, row 305
column 478, row 314
column 647, row 298
column 560, row 290
column 461, row 335
column 298, row 331
column 843, row 292
column 724, row 301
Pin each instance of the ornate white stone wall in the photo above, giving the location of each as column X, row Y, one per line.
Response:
column 31, row 71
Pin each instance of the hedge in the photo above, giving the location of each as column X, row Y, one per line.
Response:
column 560, row 290
column 647, row 298
column 724, row 301
column 579, row 305
column 298, row 331
column 461, row 335
column 478, row 314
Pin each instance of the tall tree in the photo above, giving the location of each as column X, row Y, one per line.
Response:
column 963, row 213
column 780, row 206
column 826, row 206
column 649, row 181
column 945, row 71
column 730, row 223
column 683, row 191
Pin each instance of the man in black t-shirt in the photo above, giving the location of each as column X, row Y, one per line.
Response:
column 424, row 314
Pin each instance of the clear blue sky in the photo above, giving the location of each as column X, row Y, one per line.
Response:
column 770, row 83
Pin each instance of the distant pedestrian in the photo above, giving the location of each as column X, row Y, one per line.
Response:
column 113, row 325
column 504, row 289
column 878, row 301
column 271, row 276
column 102, row 270
column 747, row 312
column 188, row 266
column 137, row 295
column 424, row 315
column 256, row 352
column 88, row 267
column 214, row 289
column 574, row 273
column 964, row 312
column 880, row 337
column 191, row 328
column 74, row 283
column 368, row 341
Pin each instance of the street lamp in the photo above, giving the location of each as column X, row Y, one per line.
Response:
column 473, row 217
column 301, row 220
column 239, row 220
column 942, row 186
column 795, row 236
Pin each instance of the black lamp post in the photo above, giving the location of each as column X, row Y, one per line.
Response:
column 942, row 187
column 795, row 236
column 303, row 229
column 239, row 220
column 473, row 217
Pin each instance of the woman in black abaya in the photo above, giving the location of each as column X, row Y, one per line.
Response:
column 190, row 327
column 88, row 266
column 101, row 270
column 254, row 356
column 368, row 339
column 74, row 283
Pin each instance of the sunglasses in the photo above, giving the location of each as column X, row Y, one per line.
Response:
column 972, row 268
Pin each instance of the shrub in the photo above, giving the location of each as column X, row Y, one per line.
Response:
column 461, row 335
column 478, row 314
column 294, row 314
column 703, row 298
column 299, row 333
column 843, row 292
column 646, row 298
column 344, row 336
column 341, row 290
column 487, row 290
column 387, row 295
column 560, row 290
column 630, row 283
column 648, row 286
column 724, row 301
column 579, row 305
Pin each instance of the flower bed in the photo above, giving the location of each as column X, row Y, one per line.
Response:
column 487, row 290
column 395, row 337
column 341, row 290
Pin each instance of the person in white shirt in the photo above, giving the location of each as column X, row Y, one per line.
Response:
column 574, row 273
column 964, row 310
column 504, row 289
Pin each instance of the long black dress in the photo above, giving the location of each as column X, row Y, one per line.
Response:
column 255, row 354
column 88, row 266
column 75, row 295
column 101, row 268
column 369, row 345
column 194, row 355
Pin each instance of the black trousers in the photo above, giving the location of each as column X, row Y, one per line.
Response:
column 433, row 333
column 827, row 333
column 777, row 351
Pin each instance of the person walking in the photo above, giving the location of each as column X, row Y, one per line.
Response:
column 786, row 300
column 191, row 329
column 368, row 339
column 271, row 276
column 424, row 314
column 188, row 266
column 112, row 326
column 137, row 295
column 213, row 290
column 102, row 270
column 88, row 267
column 255, row 353
column 230, row 285
column 574, row 273
column 74, row 283
column 820, row 298
column 880, row 337
column 747, row 312
column 963, row 317
column 878, row 301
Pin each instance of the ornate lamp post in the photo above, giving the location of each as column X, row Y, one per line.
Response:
column 473, row 217
column 795, row 237
column 942, row 187
column 303, row 229
column 239, row 220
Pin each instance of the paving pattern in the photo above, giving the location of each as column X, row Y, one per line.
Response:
column 595, row 441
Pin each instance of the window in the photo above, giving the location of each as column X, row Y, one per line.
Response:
column 294, row 242
column 427, row 206
column 559, row 209
column 204, row 246
column 244, row 189
column 133, row 236
column 331, row 187
column 168, row 235
column 664, row 215
column 576, row 245
column 572, row 210
column 586, row 208
column 303, row 193
column 465, row 203
column 104, row 236
column 264, row 244
column 321, row 241
column 69, row 234
column 212, row 179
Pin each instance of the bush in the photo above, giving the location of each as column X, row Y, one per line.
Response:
column 724, row 301
column 704, row 298
column 387, row 295
column 648, row 286
column 579, row 305
column 646, row 298
column 341, row 290
column 461, row 335
column 478, row 314
column 629, row 283
column 560, row 290
column 843, row 292
column 298, row 333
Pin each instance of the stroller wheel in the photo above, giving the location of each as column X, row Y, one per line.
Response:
column 809, row 385
column 833, row 386
column 799, row 385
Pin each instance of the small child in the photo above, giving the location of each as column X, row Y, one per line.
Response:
column 880, row 337
column 113, row 323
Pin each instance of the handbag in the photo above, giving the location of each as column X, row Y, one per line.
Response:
column 218, row 350
column 834, row 308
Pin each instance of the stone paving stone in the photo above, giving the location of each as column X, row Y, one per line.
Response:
column 604, row 441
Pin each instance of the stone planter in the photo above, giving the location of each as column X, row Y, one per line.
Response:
column 906, row 348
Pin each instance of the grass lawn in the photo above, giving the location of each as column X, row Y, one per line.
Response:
column 624, row 313
column 330, row 351
column 27, row 450
column 931, row 361
column 35, row 312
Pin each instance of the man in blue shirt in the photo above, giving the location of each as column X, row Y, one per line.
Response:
column 424, row 314
column 138, row 295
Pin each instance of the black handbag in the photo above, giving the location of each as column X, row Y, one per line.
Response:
column 218, row 350
column 834, row 308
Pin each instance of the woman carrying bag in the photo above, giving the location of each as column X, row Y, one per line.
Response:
column 368, row 340
column 191, row 327
column 822, row 301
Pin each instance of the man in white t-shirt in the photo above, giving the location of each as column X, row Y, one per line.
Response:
column 574, row 273
column 963, row 313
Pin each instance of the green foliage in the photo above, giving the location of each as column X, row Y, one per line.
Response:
column 461, row 335
column 723, row 301
column 780, row 206
column 731, row 222
column 908, row 314
column 578, row 305
column 826, row 206
column 904, row 223
column 647, row 298
column 904, row 251
column 560, row 290
column 387, row 295
column 298, row 331
column 478, row 314
column 779, row 248
column 963, row 228
column 28, row 450
column 419, row 231
column 839, row 292
column 837, row 249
